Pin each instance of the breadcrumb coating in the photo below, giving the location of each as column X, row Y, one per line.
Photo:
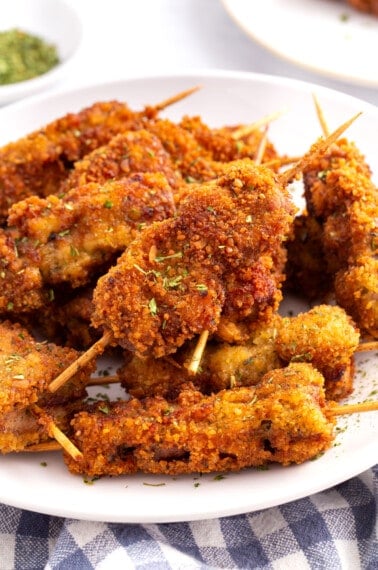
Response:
column 282, row 420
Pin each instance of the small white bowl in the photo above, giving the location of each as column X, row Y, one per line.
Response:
column 56, row 22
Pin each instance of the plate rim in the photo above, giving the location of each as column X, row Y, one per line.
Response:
column 360, row 80
column 229, row 75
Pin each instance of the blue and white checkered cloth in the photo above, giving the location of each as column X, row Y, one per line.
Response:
column 335, row 529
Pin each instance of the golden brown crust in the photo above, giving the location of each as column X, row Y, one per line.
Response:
column 29, row 366
column 281, row 420
column 173, row 280
column 126, row 153
column 325, row 336
column 37, row 163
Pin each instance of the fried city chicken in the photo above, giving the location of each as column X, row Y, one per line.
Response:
column 126, row 153
column 70, row 239
column 222, row 366
column 37, row 163
column 20, row 429
column 325, row 336
column 343, row 201
column 282, row 420
column 177, row 277
column 28, row 366
column 222, row 145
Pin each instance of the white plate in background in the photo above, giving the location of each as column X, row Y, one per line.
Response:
column 324, row 36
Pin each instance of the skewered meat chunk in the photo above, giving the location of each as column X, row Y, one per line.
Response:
column 176, row 277
column 342, row 198
column 70, row 239
column 21, row 428
column 222, row 145
column 37, row 163
column 357, row 291
column 342, row 168
column 325, row 336
column 81, row 231
column 282, row 420
column 29, row 366
column 132, row 151
column 222, row 366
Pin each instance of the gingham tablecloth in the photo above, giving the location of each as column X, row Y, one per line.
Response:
column 334, row 529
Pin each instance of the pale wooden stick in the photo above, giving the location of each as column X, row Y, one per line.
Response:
column 282, row 161
column 259, row 154
column 56, row 433
column 246, row 130
column 94, row 351
column 175, row 98
column 63, row 440
column 316, row 149
column 98, row 380
column 44, row 446
column 367, row 346
column 320, row 114
column 198, row 352
column 354, row 408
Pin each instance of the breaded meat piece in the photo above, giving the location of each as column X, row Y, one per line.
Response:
column 70, row 238
column 37, row 163
column 325, row 336
column 28, row 366
column 222, row 366
column 282, row 420
column 357, row 291
column 173, row 281
column 124, row 154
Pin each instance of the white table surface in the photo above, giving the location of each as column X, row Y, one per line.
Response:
column 124, row 38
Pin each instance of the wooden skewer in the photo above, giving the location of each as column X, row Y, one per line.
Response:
column 44, row 446
column 367, row 346
column 259, row 154
column 320, row 114
column 316, row 149
column 99, row 380
column 175, row 98
column 282, row 161
column 246, row 130
column 198, row 352
column 63, row 440
column 56, row 433
column 354, row 408
column 94, row 351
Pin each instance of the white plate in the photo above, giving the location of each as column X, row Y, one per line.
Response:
column 324, row 36
column 225, row 98
column 57, row 23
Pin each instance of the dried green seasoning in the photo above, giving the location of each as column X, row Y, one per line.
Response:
column 24, row 56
